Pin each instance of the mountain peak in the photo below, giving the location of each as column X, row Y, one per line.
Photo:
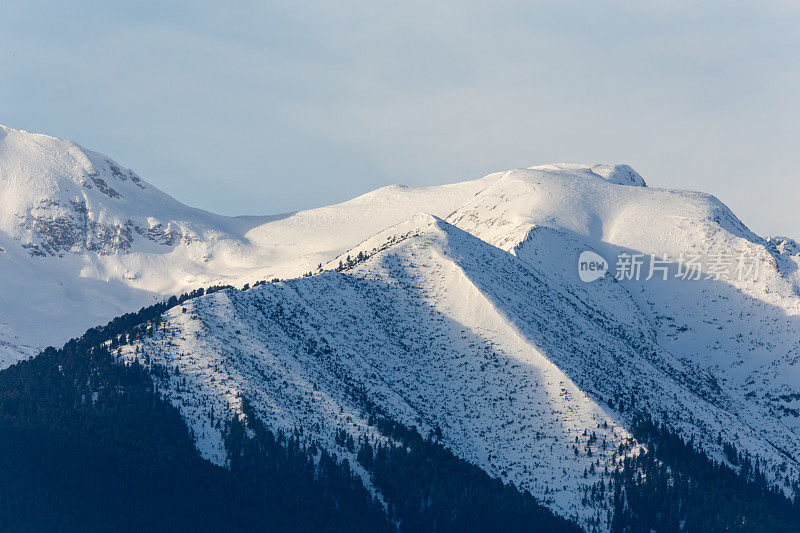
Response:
column 619, row 174
column 43, row 165
column 57, row 197
column 420, row 224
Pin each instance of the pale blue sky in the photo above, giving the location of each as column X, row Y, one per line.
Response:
column 272, row 107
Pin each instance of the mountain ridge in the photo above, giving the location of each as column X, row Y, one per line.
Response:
column 456, row 310
column 704, row 411
column 65, row 214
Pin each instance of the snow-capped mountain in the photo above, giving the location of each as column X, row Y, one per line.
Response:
column 488, row 333
column 517, row 366
column 83, row 239
column 457, row 310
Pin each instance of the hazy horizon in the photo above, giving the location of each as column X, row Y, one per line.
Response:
column 262, row 109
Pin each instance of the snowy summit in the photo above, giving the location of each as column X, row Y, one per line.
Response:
column 455, row 309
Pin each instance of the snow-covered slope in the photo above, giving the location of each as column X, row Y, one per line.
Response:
column 456, row 307
column 83, row 239
column 441, row 329
column 742, row 333
column 414, row 327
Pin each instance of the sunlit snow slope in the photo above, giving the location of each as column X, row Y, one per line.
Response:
column 456, row 307
column 516, row 365
column 83, row 239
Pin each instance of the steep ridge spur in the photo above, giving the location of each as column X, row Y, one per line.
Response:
column 469, row 323
column 443, row 330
